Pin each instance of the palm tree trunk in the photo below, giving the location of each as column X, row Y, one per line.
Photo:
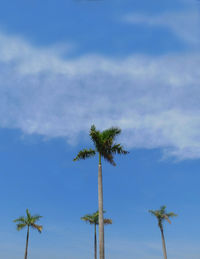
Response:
column 101, row 224
column 163, row 244
column 95, row 241
column 27, row 238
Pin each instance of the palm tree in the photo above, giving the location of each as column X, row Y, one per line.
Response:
column 162, row 215
column 106, row 148
column 28, row 221
column 93, row 219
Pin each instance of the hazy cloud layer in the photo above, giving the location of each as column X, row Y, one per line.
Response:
column 156, row 101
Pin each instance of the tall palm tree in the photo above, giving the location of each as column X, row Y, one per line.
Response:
column 28, row 221
column 93, row 219
column 161, row 216
column 105, row 147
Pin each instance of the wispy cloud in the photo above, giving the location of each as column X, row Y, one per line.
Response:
column 183, row 24
column 156, row 101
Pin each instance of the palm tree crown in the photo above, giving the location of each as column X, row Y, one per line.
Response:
column 162, row 215
column 104, row 142
column 29, row 221
column 94, row 219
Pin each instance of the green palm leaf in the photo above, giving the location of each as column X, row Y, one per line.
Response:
column 37, row 227
column 107, row 221
column 111, row 133
column 20, row 219
column 85, row 153
column 118, row 149
column 96, row 137
column 21, row 226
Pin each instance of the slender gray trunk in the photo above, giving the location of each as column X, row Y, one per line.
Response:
column 95, row 241
column 101, row 223
column 163, row 244
column 27, row 238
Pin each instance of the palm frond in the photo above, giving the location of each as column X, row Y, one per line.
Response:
column 96, row 137
column 171, row 214
column 107, row 221
column 86, row 216
column 154, row 212
column 21, row 226
column 89, row 218
column 107, row 155
column 167, row 218
column 36, row 218
column 85, row 153
column 118, row 149
column 28, row 214
column 111, row 133
column 162, row 209
column 20, row 219
column 38, row 227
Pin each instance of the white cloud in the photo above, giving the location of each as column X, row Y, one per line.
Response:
column 183, row 24
column 156, row 101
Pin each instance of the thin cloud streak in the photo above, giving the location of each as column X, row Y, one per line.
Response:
column 156, row 101
column 184, row 25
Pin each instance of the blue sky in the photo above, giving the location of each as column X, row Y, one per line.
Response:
column 67, row 65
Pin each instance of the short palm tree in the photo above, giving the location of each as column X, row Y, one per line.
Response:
column 105, row 146
column 162, row 215
column 93, row 219
column 28, row 221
